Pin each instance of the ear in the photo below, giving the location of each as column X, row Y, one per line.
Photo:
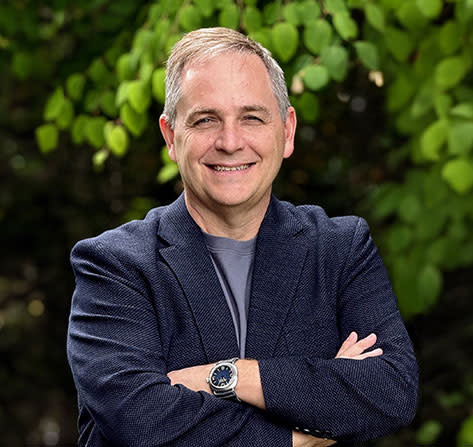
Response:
column 168, row 135
column 289, row 131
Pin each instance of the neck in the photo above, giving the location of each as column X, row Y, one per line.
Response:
column 235, row 222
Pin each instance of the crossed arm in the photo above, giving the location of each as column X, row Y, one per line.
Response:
column 250, row 390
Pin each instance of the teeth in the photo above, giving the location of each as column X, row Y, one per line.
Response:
column 233, row 168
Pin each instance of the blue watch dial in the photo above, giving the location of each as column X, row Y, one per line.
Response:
column 221, row 376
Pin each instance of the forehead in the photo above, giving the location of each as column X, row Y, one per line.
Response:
column 231, row 78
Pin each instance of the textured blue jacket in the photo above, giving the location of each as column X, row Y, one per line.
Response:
column 148, row 301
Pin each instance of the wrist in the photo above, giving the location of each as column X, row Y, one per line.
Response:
column 248, row 388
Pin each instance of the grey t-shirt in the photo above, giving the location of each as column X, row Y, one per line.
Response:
column 233, row 262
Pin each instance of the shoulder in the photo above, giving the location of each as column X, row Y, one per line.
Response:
column 315, row 221
column 131, row 240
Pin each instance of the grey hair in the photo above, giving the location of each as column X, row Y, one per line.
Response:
column 205, row 43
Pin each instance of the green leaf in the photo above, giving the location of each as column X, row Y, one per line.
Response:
column 142, row 40
column 309, row 11
column 398, row 43
column 229, row 16
column 189, row 18
column 335, row 58
column 117, row 140
column 158, row 86
column 99, row 158
column 22, row 64
column 252, row 19
column 345, row 25
column 124, row 68
column 64, row 120
column 400, row 92
column 285, row 40
column 391, row 4
column 94, row 131
column 410, row 209
column 433, row 139
column 122, row 93
column 139, row 95
column 449, row 37
column 78, row 129
column 335, row 6
column 398, row 238
column 460, row 137
column 54, row 105
column 317, row 35
column 107, row 104
column 429, row 285
column 206, row 7
column 458, row 173
column 375, row 16
column 465, row 435
column 464, row 11
column 410, row 16
column 264, row 37
column 92, row 100
column 221, row 4
column 449, row 72
column 47, row 137
column 146, row 71
column 98, row 72
column 315, row 76
column 368, row 54
column 430, row 223
column 167, row 173
column 75, row 86
column 308, row 106
column 464, row 110
column 134, row 121
column 272, row 12
column 430, row 8
column 291, row 13
column 442, row 104
column 423, row 100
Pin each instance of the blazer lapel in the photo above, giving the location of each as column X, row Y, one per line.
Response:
column 279, row 258
column 188, row 257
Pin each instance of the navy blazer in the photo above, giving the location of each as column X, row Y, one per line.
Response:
column 148, row 301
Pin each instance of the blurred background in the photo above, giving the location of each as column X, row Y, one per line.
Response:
column 384, row 94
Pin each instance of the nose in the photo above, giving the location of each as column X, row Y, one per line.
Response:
column 229, row 138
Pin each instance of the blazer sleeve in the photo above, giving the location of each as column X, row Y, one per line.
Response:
column 119, row 369
column 344, row 399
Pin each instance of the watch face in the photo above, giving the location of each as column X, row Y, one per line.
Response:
column 221, row 376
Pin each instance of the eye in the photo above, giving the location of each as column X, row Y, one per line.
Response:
column 253, row 118
column 205, row 121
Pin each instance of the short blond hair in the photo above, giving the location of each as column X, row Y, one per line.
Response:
column 206, row 43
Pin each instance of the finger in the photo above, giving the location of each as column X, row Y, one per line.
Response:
column 374, row 353
column 359, row 347
column 348, row 343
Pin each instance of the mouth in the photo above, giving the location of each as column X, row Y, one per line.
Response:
column 223, row 168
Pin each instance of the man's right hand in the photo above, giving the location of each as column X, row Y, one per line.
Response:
column 352, row 348
column 304, row 440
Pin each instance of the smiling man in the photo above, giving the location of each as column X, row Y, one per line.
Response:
column 229, row 318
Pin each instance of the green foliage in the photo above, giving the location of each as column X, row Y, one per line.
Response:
column 419, row 49
column 465, row 436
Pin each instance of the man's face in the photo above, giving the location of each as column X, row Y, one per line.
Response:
column 229, row 139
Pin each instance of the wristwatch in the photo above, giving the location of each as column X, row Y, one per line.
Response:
column 223, row 379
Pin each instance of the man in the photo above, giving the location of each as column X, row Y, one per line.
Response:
column 229, row 318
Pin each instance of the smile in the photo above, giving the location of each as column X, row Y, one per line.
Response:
column 221, row 168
